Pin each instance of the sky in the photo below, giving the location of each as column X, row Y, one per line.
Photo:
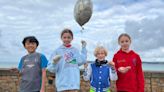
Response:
column 142, row 19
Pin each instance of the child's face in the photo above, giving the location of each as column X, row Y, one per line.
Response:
column 100, row 55
column 66, row 38
column 124, row 43
column 30, row 46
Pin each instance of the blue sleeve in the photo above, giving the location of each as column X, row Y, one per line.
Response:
column 20, row 65
column 87, row 73
column 82, row 57
column 44, row 61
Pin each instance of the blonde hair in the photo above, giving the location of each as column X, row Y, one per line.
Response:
column 98, row 48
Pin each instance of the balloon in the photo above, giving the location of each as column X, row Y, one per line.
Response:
column 83, row 11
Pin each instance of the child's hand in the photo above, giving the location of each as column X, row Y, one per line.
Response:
column 112, row 64
column 128, row 67
column 83, row 43
column 56, row 59
column 85, row 65
column 124, row 69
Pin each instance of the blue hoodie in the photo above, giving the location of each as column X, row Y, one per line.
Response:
column 67, row 69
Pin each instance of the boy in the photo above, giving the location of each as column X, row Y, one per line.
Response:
column 99, row 73
column 32, row 67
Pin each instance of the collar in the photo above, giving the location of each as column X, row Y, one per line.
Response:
column 64, row 47
column 68, row 46
column 130, row 51
column 100, row 63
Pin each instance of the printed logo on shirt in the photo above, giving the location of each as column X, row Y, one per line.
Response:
column 69, row 58
column 120, row 61
column 134, row 61
column 26, row 60
column 29, row 63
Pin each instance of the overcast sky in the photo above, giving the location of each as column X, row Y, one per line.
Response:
column 45, row 19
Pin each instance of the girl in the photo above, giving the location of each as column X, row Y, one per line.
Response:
column 129, row 67
column 66, row 61
column 99, row 73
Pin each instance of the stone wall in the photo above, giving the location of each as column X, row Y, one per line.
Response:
column 154, row 81
column 9, row 82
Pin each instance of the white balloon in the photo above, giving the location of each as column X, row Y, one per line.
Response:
column 83, row 11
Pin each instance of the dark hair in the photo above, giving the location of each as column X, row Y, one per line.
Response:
column 66, row 31
column 30, row 39
column 124, row 34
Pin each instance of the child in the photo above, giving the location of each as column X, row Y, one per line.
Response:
column 66, row 60
column 32, row 67
column 129, row 67
column 99, row 73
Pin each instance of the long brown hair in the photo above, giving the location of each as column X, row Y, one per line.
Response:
column 124, row 34
column 66, row 30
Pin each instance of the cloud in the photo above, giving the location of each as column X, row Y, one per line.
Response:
column 45, row 19
column 146, row 29
column 0, row 38
column 0, row 32
column 147, row 34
